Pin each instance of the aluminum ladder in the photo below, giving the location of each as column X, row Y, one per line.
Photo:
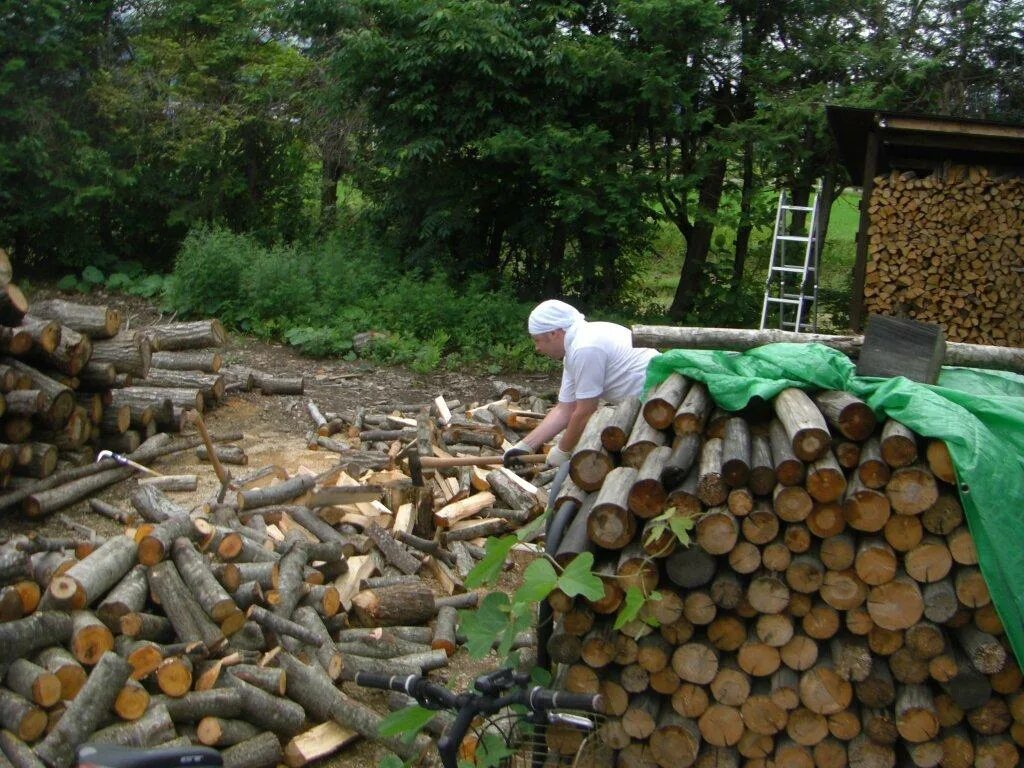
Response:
column 791, row 288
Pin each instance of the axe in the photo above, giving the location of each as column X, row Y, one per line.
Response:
column 124, row 461
column 418, row 463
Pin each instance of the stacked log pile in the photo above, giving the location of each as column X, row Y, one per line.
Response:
column 234, row 623
column 74, row 381
column 829, row 612
column 947, row 248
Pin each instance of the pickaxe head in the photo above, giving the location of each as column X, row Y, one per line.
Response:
column 124, row 461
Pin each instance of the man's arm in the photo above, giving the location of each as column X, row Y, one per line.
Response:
column 553, row 423
column 581, row 413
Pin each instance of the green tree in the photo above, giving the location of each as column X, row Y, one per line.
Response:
column 203, row 117
column 55, row 180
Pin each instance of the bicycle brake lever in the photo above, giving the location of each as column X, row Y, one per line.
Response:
column 498, row 680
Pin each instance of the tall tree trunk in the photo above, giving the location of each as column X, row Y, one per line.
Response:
column 556, row 257
column 698, row 242
column 746, row 224
column 330, row 175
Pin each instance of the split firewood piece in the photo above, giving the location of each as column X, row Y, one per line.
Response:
column 850, row 415
column 320, row 741
column 402, row 604
column 93, row 576
column 155, row 541
column 97, row 322
column 805, row 426
column 189, row 619
column 514, row 491
column 132, row 700
column 445, row 630
column 662, row 404
column 154, row 506
column 85, row 712
column 68, row 671
column 208, row 592
column 393, row 552
column 452, row 513
column 325, row 702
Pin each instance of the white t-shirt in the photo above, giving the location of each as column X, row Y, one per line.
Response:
column 600, row 361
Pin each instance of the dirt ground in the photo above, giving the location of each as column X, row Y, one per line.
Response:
column 275, row 428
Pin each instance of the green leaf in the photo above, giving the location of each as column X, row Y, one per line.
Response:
column 391, row 761
column 630, row 608
column 490, row 565
column 406, row 722
column 578, row 579
column 528, row 530
column 68, row 283
column 538, row 581
column 485, row 624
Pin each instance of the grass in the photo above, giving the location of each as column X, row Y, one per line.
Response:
column 836, row 268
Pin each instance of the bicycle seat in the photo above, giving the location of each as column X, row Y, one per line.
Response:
column 112, row 756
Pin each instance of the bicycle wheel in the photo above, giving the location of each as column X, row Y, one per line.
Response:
column 510, row 740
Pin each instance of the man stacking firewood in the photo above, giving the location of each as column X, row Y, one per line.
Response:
column 599, row 362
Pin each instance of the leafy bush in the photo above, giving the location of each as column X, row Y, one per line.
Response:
column 317, row 297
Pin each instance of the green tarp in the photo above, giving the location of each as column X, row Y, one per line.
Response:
column 980, row 415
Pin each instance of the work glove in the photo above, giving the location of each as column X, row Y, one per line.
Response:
column 509, row 459
column 557, row 457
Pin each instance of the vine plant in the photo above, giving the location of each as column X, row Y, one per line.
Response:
column 494, row 624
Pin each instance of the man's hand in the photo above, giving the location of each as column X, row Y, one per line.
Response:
column 509, row 459
column 557, row 457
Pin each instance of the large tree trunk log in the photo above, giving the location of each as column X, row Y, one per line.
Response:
column 97, row 322
column 666, row 337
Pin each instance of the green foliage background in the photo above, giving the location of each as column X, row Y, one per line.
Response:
column 430, row 167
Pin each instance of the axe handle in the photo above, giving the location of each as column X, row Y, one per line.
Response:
column 434, row 462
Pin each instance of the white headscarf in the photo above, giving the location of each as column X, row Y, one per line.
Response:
column 553, row 315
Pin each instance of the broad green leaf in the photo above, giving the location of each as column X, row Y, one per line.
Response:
column 578, row 579
column 631, row 607
column 528, row 530
column 485, row 624
column 406, row 722
column 392, row 761
column 68, row 283
column 520, row 619
column 538, row 581
column 489, row 567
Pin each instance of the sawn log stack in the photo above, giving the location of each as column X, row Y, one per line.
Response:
column 829, row 611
